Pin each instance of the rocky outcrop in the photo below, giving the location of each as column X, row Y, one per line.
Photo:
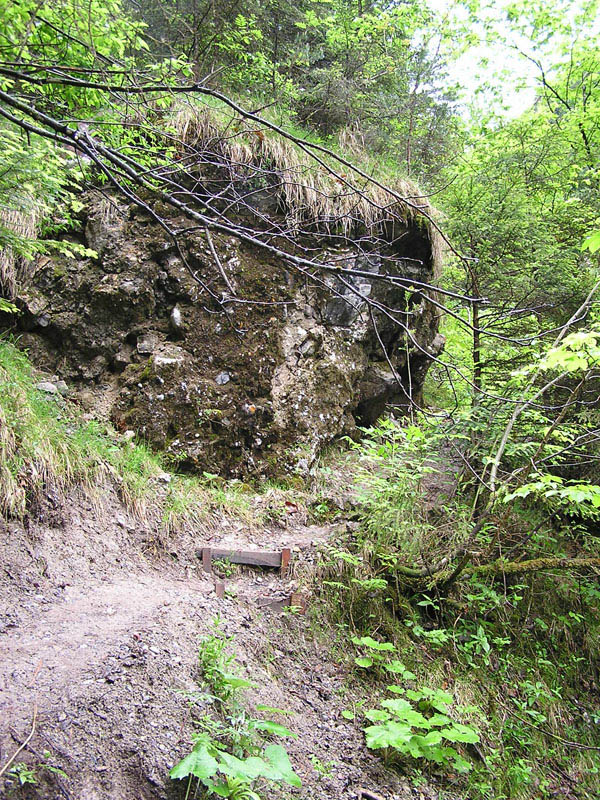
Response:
column 254, row 387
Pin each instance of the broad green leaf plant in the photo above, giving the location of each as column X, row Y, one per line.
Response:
column 229, row 757
column 419, row 725
column 224, row 774
column 414, row 723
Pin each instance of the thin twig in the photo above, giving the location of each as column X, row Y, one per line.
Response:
column 217, row 260
column 25, row 743
column 577, row 745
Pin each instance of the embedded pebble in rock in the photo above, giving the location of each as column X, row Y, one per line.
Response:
column 147, row 345
column 46, row 386
column 167, row 355
column 175, row 319
column 222, row 378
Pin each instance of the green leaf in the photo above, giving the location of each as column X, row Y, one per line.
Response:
column 396, row 689
column 396, row 667
column 592, row 243
column 377, row 715
column 431, row 739
column 392, row 734
column 278, row 758
column 404, row 711
column 271, row 727
column 222, row 789
column 439, row 720
column 363, row 661
column 368, row 641
column 248, row 769
column 436, row 698
column 233, row 680
column 460, row 764
column 6, row 307
column 199, row 763
column 460, row 733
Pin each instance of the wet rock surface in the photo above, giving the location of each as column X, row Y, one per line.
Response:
column 254, row 386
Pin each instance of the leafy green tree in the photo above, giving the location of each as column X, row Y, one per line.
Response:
column 373, row 71
column 522, row 200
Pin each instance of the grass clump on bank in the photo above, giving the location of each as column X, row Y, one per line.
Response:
column 311, row 191
column 44, row 442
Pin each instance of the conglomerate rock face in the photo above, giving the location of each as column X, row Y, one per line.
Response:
column 256, row 389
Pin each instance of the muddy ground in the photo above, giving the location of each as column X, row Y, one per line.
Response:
column 99, row 632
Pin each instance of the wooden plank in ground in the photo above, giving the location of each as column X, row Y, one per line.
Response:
column 296, row 600
column 252, row 558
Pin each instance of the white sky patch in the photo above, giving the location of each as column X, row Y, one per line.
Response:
column 490, row 63
column 499, row 56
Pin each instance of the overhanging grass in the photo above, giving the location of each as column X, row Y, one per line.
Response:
column 310, row 194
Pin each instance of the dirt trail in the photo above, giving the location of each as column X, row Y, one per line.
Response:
column 101, row 641
column 75, row 637
column 101, row 666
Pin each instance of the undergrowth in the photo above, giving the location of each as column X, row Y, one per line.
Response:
column 519, row 651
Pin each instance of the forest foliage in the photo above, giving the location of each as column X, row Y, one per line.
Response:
column 89, row 94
